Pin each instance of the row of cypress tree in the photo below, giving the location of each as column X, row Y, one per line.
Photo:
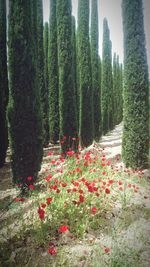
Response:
column 58, row 86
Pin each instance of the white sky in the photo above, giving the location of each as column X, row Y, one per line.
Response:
column 111, row 9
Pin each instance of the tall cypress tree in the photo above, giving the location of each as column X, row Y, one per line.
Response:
column 120, row 107
column 86, row 126
column 40, row 69
column 24, row 113
column 119, row 91
column 135, row 147
column 95, row 71
column 3, row 84
column 106, row 81
column 53, row 76
column 46, row 74
column 68, row 119
column 115, row 83
column 74, row 65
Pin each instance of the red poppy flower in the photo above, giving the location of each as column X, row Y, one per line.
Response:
column 29, row 178
column 107, row 191
column 41, row 213
column 48, row 178
column 107, row 250
column 63, row 229
column 49, row 200
column 31, row 186
column 18, row 199
column 81, row 198
column 52, row 251
column 50, row 154
column 94, row 210
column 43, row 205
column 70, row 153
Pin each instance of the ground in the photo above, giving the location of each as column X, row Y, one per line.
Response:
column 122, row 238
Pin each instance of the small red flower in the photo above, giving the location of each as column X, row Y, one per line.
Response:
column 18, row 199
column 64, row 184
column 63, row 229
column 58, row 191
column 94, row 210
column 49, row 200
column 31, row 186
column 107, row 250
column 48, row 178
column 81, row 191
column 69, row 190
column 50, row 154
column 81, row 198
column 41, row 213
column 52, row 251
column 43, row 205
column 107, row 191
column 111, row 182
column 29, row 178
column 70, row 153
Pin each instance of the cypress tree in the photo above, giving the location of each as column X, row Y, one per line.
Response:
column 106, row 83
column 74, row 65
column 95, row 71
column 121, row 93
column 24, row 112
column 86, row 126
column 119, row 86
column 53, row 76
column 68, row 119
column 40, row 69
column 135, row 147
column 3, row 84
column 46, row 74
column 115, row 89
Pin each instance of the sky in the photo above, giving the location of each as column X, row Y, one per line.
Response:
column 111, row 9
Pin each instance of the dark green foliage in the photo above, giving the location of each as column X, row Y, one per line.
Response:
column 74, row 65
column 46, row 74
column 117, row 90
column 120, row 91
column 68, row 119
column 24, row 112
column 135, row 146
column 40, row 69
column 85, row 75
column 95, row 71
column 106, row 81
column 3, row 84
column 53, row 76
